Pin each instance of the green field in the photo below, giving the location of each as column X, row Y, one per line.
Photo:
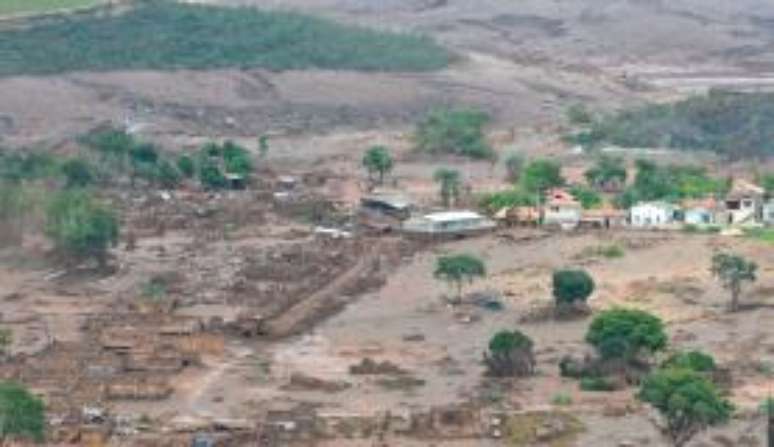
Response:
column 13, row 7
column 163, row 35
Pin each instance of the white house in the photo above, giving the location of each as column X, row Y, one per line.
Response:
column 652, row 214
column 744, row 203
column 562, row 209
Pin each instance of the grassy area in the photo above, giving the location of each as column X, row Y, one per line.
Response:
column 13, row 7
column 735, row 125
column 164, row 35
column 762, row 234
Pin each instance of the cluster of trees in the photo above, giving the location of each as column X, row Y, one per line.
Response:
column 454, row 131
column 671, row 183
column 735, row 125
column 530, row 182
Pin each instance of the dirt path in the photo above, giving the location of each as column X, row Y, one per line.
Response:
column 290, row 322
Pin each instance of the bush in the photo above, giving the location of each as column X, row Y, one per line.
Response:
column 80, row 226
column 17, row 167
column 78, row 173
column 454, row 132
column 597, row 384
column 167, row 35
column 510, row 354
column 693, row 360
column 626, row 334
column 236, row 159
column 561, row 399
column 186, row 166
column 571, row 286
column 167, row 175
column 514, row 163
column 22, row 415
column 210, row 175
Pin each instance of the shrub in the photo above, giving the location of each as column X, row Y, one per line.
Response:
column 514, row 163
column 561, row 399
column 78, row 173
column 693, row 360
column 236, row 159
column 167, row 175
column 626, row 334
column 597, row 384
column 571, row 286
column 186, row 166
column 455, row 132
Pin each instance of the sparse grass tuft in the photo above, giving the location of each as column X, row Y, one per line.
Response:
column 164, row 35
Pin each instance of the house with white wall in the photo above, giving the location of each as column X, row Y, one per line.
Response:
column 652, row 214
column 561, row 209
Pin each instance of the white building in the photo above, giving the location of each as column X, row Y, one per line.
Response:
column 768, row 212
column 449, row 223
column 562, row 210
column 652, row 214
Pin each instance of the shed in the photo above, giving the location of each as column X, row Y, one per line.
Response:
column 449, row 223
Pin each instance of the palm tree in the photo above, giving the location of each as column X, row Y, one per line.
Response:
column 450, row 182
column 377, row 159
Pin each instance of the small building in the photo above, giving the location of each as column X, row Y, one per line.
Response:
column 744, row 204
column 449, row 223
column 562, row 209
column 393, row 204
column 700, row 212
column 603, row 218
column 652, row 214
column 235, row 181
column 768, row 212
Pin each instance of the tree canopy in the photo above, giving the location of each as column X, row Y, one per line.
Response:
column 450, row 183
column 687, row 401
column 626, row 333
column 454, row 131
column 606, row 172
column 22, row 415
column 693, row 360
column 80, row 226
column 571, row 286
column 377, row 160
column 459, row 270
column 732, row 270
column 510, row 354
column 541, row 175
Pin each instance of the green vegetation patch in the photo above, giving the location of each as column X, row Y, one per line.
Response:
column 163, row 35
column 530, row 429
column 761, row 234
column 17, row 7
column 735, row 125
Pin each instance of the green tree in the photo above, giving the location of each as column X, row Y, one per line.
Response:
column 113, row 145
column 514, row 163
column 210, row 175
column 454, row 131
column 587, row 197
column 236, row 159
column 143, row 159
column 626, row 334
column 693, row 360
column 377, row 160
column 541, row 175
column 80, row 226
column 607, row 172
column 186, row 165
column 167, row 176
column 22, row 415
column 458, row 270
column 450, row 184
column 688, row 402
column 572, row 286
column 579, row 115
column 732, row 270
column 78, row 173
column 510, row 354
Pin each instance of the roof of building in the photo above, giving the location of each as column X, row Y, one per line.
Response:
column 393, row 200
column 452, row 216
column 708, row 203
column 560, row 197
column 742, row 188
